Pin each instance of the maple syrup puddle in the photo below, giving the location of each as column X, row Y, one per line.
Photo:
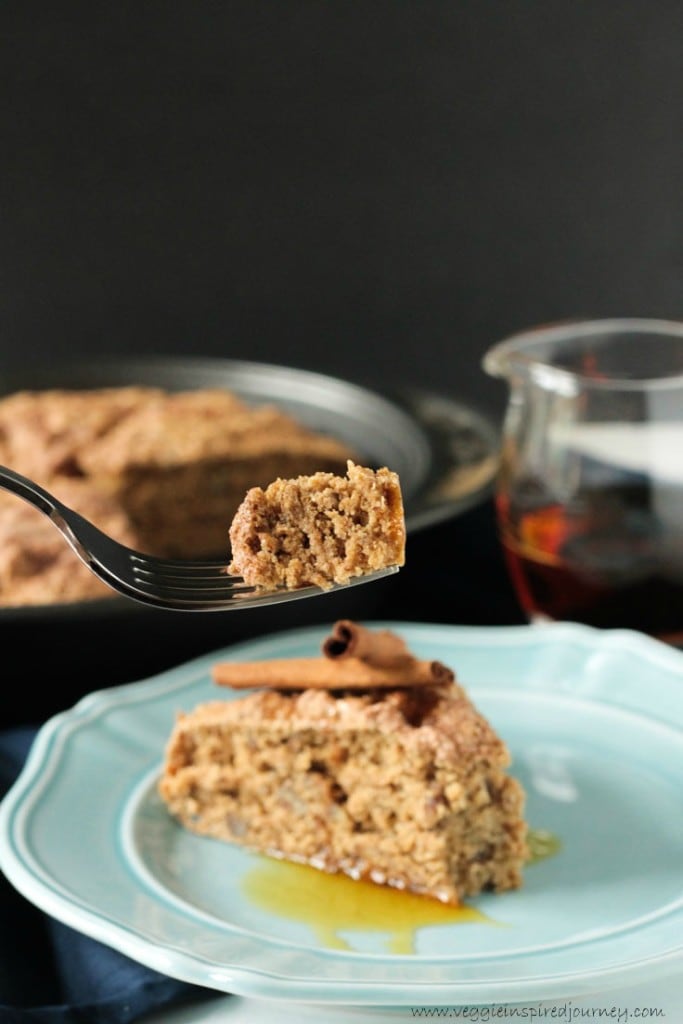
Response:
column 332, row 903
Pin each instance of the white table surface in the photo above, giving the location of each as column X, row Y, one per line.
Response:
column 659, row 1000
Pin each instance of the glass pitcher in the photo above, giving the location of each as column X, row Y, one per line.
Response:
column 589, row 496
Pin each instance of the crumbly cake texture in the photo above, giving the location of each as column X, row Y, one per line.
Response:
column 320, row 529
column 164, row 472
column 405, row 787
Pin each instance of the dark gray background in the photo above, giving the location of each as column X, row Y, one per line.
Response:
column 365, row 188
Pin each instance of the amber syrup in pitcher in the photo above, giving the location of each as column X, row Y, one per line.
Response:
column 594, row 561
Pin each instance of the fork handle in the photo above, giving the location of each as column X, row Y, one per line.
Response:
column 28, row 490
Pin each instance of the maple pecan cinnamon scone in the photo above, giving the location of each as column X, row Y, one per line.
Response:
column 181, row 466
column 320, row 529
column 402, row 784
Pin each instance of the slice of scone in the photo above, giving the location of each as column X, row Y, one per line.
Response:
column 319, row 530
column 403, row 784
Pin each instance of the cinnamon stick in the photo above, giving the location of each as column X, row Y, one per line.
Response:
column 348, row 673
column 376, row 647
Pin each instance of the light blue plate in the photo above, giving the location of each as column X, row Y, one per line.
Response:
column 594, row 721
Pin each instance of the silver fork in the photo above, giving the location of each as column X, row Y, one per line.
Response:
column 181, row 585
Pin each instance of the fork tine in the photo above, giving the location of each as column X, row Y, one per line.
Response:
column 185, row 566
column 179, row 573
column 187, row 594
column 156, row 573
column 207, row 587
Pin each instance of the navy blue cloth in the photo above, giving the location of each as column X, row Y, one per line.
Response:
column 51, row 974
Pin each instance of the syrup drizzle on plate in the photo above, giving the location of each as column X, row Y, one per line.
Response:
column 334, row 905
